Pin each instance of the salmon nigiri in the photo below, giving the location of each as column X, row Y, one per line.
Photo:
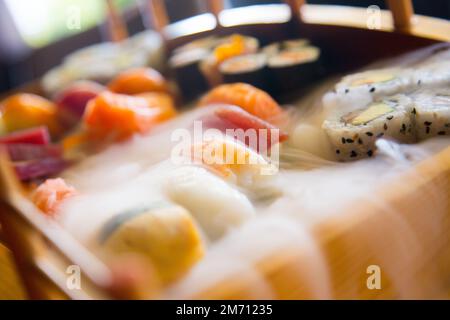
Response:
column 136, row 81
column 120, row 116
column 248, row 97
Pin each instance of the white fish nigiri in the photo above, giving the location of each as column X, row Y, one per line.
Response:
column 217, row 206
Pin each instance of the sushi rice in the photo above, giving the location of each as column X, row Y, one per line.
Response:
column 367, row 86
column 353, row 134
column 432, row 113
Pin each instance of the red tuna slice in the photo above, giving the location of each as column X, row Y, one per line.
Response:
column 34, row 169
column 26, row 152
column 73, row 100
column 36, row 136
column 237, row 118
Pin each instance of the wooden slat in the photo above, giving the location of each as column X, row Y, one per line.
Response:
column 116, row 24
column 215, row 7
column 158, row 15
column 402, row 13
column 295, row 6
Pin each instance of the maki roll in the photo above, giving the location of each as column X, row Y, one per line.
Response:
column 377, row 82
column 249, row 68
column 101, row 62
column 366, row 87
column 186, row 68
column 353, row 134
column 432, row 75
column 276, row 47
column 293, row 68
column 207, row 43
column 432, row 113
column 229, row 47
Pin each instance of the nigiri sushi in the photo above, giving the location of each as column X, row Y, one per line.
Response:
column 26, row 111
column 249, row 98
column 234, row 161
column 215, row 204
column 118, row 116
column 165, row 234
column 136, row 81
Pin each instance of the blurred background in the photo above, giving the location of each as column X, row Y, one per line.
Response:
column 35, row 35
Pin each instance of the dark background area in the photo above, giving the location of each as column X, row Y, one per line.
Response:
column 20, row 64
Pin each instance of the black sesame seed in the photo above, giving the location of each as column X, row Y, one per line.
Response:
column 343, row 140
column 360, row 141
column 403, row 126
column 370, row 153
column 380, row 135
column 419, row 82
column 441, row 133
column 447, row 125
column 347, row 90
column 353, row 154
column 349, row 141
column 372, row 89
column 385, row 126
column 414, row 111
column 390, row 118
column 369, row 134
column 427, row 123
column 427, row 130
column 338, row 151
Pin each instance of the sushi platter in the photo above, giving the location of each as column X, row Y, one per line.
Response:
column 250, row 161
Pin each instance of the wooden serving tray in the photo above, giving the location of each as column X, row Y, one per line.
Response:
column 43, row 250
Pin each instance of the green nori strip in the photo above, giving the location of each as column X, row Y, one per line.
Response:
column 115, row 222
